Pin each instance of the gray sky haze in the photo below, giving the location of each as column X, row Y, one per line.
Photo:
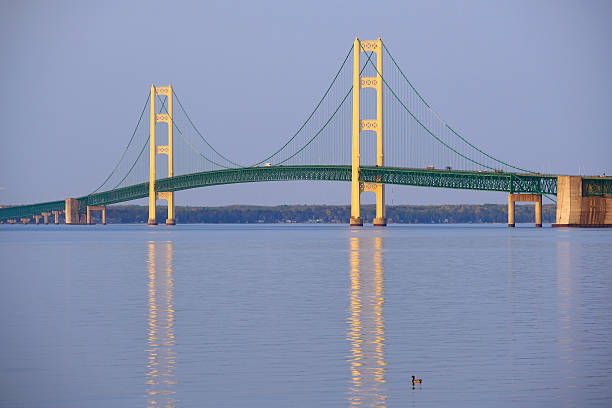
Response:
column 527, row 81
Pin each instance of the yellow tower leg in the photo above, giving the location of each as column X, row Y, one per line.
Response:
column 381, row 212
column 355, row 192
column 152, row 153
column 170, row 220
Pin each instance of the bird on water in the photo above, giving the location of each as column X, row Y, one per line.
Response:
column 416, row 380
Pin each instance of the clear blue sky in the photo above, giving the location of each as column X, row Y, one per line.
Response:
column 529, row 81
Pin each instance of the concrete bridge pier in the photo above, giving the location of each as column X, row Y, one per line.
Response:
column 510, row 211
column 37, row 218
column 537, row 198
column 72, row 211
column 91, row 208
column 56, row 215
column 25, row 220
column 576, row 210
column 46, row 217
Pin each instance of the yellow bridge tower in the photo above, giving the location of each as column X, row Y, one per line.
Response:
column 154, row 150
column 376, row 82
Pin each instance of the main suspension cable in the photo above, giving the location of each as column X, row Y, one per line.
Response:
column 419, row 122
column 200, row 134
column 183, row 136
column 333, row 114
column 313, row 112
column 443, row 121
column 141, row 150
column 128, row 145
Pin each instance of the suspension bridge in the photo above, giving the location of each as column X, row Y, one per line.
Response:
column 371, row 127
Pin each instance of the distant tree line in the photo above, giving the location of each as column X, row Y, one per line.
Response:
column 401, row 214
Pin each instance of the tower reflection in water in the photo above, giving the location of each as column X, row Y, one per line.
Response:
column 160, row 337
column 366, row 326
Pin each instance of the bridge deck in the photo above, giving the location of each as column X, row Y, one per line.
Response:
column 454, row 179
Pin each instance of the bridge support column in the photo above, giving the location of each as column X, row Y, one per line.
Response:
column 46, row 217
column 72, row 211
column 376, row 125
column 381, row 218
column 25, row 220
column 576, row 210
column 356, row 220
column 91, row 208
column 155, row 149
column 381, row 209
column 152, row 153
column 37, row 219
column 534, row 198
column 56, row 215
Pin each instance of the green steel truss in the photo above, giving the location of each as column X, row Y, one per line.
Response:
column 467, row 180
column 22, row 211
column 507, row 182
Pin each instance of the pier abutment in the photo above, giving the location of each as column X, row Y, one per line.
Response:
column 574, row 209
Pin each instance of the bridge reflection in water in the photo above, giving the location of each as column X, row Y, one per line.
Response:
column 161, row 362
column 366, row 326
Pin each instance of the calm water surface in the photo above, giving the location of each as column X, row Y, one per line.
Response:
column 304, row 316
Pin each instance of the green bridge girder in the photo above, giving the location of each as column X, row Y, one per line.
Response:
column 466, row 180
column 454, row 179
column 22, row 211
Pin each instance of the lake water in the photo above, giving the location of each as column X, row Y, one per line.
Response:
column 304, row 316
